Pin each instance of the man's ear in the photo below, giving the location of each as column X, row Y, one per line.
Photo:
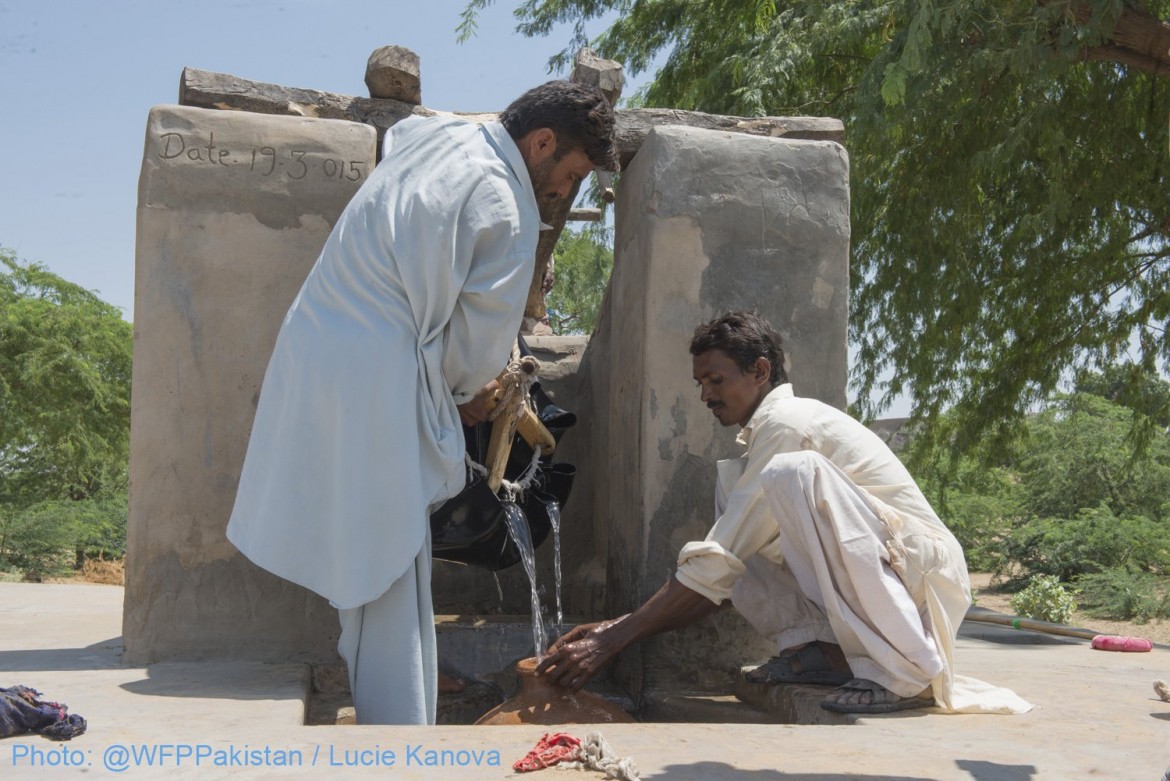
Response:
column 762, row 369
column 537, row 145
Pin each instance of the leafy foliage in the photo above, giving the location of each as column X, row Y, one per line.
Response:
column 1124, row 595
column 1069, row 499
column 584, row 261
column 1009, row 176
column 979, row 504
column 1045, row 599
column 64, row 387
column 54, row 537
column 1133, row 387
column 1092, row 541
column 65, row 359
column 1077, row 457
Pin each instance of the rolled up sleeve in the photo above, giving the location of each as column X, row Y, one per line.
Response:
column 708, row 569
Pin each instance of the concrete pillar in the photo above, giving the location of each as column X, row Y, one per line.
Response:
column 233, row 209
column 706, row 222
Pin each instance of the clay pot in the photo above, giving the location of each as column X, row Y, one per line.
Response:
column 539, row 701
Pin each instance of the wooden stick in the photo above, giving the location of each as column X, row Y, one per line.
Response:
column 500, row 445
column 518, row 418
column 984, row 616
column 532, row 431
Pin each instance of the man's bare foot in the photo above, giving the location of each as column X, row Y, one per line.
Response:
column 864, row 696
column 449, row 684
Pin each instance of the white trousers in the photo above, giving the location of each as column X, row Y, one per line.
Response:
column 836, row 583
column 389, row 646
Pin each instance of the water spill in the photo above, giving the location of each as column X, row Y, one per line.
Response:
column 499, row 589
column 554, row 517
column 518, row 529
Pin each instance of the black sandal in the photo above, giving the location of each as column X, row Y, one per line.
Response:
column 814, row 670
column 889, row 702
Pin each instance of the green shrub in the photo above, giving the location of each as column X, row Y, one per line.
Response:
column 101, row 525
column 1094, row 541
column 1121, row 595
column 1044, row 599
column 53, row 538
column 978, row 522
column 38, row 545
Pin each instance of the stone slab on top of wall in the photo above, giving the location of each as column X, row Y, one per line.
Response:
column 706, row 222
column 233, row 209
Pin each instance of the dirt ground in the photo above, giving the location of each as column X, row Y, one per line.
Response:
column 989, row 596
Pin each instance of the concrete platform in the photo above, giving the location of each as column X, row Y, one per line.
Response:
column 1096, row 716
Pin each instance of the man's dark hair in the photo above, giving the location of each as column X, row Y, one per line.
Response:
column 580, row 116
column 744, row 336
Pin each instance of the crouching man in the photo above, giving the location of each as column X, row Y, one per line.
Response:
column 822, row 541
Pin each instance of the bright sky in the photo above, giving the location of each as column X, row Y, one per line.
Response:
column 77, row 78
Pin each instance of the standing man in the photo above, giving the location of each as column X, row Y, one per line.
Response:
column 396, row 335
column 822, row 541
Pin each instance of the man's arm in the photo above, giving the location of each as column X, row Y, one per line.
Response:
column 576, row 658
column 744, row 528
column 493, row 268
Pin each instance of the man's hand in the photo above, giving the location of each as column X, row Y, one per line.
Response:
column 580, row 654
column 476, row 410
column 573, row 635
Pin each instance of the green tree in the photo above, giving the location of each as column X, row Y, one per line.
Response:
column 1131, row 385
column 64, row 387
column 64, row 418
column 1139, row 389
column 584, row 260
column 54, row 537
column 1069, row 497
column 979, row 503
column 1009, row 173
column 1076, row 458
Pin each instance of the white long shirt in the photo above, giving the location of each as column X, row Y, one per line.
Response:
column 785, row 423
column 922, row 551
column 410, row 309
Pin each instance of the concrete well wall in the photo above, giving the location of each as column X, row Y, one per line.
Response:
column 233, row 209
column 706, row 222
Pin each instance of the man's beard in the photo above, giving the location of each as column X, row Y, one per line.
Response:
column 541, row 176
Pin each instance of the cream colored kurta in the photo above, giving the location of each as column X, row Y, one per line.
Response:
column 820, row 512
column 411, row 308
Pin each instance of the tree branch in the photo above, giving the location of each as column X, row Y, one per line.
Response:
column 1139, row 39
column 1123, row 56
